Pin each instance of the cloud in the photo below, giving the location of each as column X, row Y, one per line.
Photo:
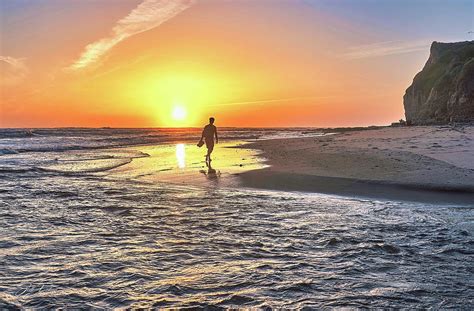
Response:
column 266, row 101
column 386, row 48
column 13, row 70
column 147, row 15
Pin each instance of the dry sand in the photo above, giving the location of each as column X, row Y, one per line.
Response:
column 429, row 163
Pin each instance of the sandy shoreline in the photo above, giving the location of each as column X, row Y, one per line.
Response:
column 429, row 163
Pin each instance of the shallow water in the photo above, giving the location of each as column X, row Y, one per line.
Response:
column 116, row 238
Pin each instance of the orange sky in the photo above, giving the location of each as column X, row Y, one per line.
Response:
column 248, row 63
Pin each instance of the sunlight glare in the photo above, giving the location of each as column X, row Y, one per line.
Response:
column 179, row 113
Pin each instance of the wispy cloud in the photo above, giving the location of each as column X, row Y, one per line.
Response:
column 386, row 48
column 267, row 101
column 13, row 70
column 148, row 15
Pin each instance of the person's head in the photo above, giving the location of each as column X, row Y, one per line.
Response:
column 211, row 120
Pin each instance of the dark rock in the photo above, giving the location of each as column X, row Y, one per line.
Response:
column 443, row 92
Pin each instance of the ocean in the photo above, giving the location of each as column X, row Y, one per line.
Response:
column 117, row 218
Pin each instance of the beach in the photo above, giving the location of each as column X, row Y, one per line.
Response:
column 236, row 155
column 133, row 218
column 430, row 163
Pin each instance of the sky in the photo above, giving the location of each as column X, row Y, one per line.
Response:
column 249, row 63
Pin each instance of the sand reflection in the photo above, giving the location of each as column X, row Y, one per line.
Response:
column 185, row 164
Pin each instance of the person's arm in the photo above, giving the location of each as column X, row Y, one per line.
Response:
column 217, row 139
column 202, row 135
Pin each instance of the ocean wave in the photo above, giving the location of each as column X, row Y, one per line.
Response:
column 64, row 148
column 9, row 302
column 65, row 139
column 173, row 246
column 15, row 169
column 7, row 151
column 237, row 300
column 17, row 133
column 103, row 155
column 93, row 166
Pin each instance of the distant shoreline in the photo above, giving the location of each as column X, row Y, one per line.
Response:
column 426, row 163
column 337, row 129
column 350, row 128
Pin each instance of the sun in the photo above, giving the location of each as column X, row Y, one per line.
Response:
column 179, row 113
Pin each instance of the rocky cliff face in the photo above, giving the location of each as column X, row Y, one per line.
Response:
column 443, row 91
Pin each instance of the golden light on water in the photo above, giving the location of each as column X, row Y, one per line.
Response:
column 181, row 155
column 184, row 163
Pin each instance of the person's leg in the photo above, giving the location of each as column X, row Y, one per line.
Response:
column 209, row 151
column 210, row 147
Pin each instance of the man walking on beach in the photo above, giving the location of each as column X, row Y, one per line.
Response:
column 208, row 134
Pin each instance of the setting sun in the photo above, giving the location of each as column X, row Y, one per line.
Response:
column 179, row 113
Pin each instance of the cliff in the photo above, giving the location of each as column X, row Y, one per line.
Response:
column 443, row 91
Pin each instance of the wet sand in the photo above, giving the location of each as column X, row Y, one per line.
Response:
column 184, row 164
column 427, row 164
column 433, row 164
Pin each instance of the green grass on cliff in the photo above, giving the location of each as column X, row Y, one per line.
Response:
column 451, row 60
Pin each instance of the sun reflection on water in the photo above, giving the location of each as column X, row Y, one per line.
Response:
column 181, row 155
column 184, row 163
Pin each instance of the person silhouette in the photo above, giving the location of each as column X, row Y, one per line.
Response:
column 208, row 134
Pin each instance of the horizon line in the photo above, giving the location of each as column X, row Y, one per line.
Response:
column 189, row 127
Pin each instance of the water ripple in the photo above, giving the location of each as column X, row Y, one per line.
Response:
column 75, row 242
